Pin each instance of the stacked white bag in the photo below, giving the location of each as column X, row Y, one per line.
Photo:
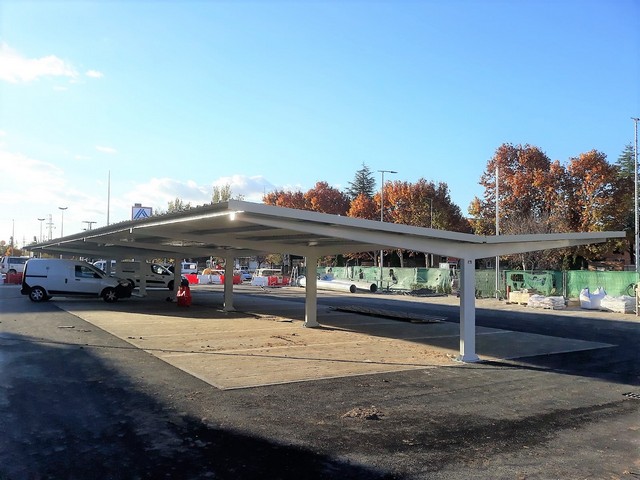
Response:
column 592, row 300
column 540, row 301
column 623, row 304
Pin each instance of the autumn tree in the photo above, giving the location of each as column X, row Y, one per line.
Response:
column 363, row 207
column 541, row 196
column 527, row 183
column 593, row 191
column 363, row 184
column 288, row 199
column 325, row 199
column 422, row 204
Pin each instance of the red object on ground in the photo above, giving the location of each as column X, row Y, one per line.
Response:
column 237, row 279
column 192, row 277
column 184, row 296
column 13, row 278
column 275, row 280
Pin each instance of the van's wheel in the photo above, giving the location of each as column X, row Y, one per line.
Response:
column 109, row 295
column 37, row 294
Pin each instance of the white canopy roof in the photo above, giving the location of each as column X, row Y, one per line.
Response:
column 239, row 229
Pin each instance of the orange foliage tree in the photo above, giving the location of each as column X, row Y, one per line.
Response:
column 325, row 199
column 592, row 190
column 282, row 198
column 364, row 207
column 421, row 204
column 528, row 183
column 537, row 195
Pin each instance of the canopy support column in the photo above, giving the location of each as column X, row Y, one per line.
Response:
column 228, row 284
column 177, row 276
column 468, row 312
column 311, row 292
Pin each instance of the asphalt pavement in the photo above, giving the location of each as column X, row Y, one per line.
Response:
column 79, row 402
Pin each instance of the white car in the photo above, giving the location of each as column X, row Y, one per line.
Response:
column 44, row 278
column 11, row 264
column 155, row 275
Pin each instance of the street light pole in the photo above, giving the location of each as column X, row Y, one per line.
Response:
column 382, row 216
column 635, row 189
column 62, row 209
column 497, row 233
column 430, row 226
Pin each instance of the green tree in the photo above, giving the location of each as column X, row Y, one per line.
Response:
column 173, row 206
column 221, row 194
column 626, row 163
column 626, row 175
column 363, row 184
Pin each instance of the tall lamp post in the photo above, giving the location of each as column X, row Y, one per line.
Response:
column 497, row 233
column 382, row 217
column 430, row 226
column 62, row 209
column 635, row 195
column 41, row 220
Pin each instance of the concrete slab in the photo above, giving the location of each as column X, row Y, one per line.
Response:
column 239, row 349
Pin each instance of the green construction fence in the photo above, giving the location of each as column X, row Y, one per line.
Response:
column 444, row 280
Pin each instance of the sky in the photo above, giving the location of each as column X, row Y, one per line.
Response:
column 105, row 104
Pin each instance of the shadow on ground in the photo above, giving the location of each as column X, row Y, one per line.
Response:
column 65, row 414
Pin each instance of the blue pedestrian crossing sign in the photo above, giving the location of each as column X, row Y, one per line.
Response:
column 138, row 212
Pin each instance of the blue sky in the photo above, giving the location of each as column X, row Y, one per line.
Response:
column 175, row 97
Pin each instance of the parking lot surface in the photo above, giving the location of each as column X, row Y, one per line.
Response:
column 145, row 389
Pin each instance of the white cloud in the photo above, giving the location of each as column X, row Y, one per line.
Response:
column 48, row 186
column 158, row 192
column 108, row 150
column 252, row 189
column 14, row 68
column 94, row 74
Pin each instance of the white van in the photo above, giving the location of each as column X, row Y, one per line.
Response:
column 102, row 265
column 155, row 274
column 9, row 264
column 44, row 278
column 189, row 267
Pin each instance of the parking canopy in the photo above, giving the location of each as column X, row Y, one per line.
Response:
column 239, row 229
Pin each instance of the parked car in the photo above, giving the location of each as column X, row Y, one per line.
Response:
column 10, row 264
column 44, row 278
column 189, row 268
column 155, row 275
